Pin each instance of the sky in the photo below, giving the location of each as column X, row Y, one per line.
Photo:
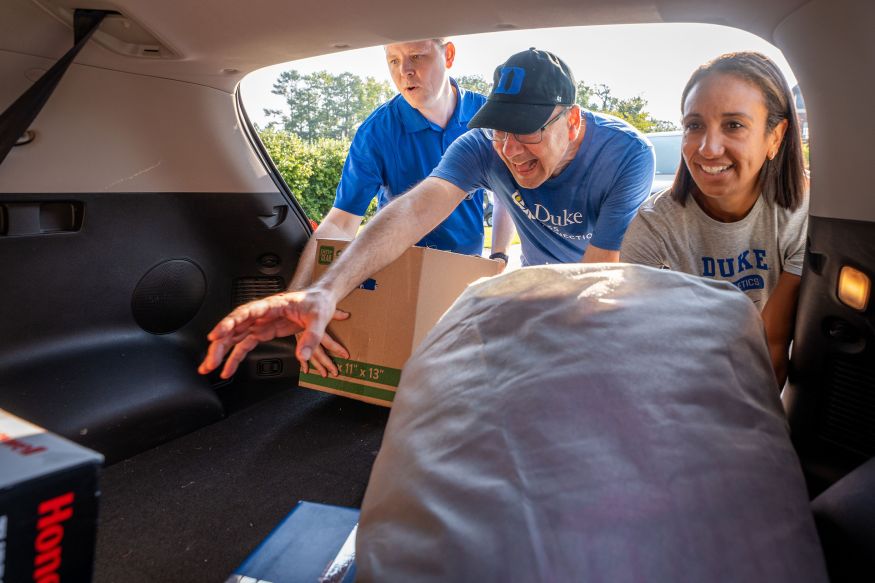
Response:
column 650, row 60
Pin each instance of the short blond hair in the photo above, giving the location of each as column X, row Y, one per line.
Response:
column 441, row 42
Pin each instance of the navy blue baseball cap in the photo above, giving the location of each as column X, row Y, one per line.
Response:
column 525, row 91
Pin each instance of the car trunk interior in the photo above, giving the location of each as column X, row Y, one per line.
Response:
column 194, row 508
column 118, row 255
column 139, row 279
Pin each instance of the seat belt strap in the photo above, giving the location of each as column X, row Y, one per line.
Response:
column 20, row 115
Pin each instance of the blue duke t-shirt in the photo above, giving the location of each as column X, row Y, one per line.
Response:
column 591, row 201
column 394, row 149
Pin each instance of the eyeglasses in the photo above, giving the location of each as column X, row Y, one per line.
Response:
column 533, row 138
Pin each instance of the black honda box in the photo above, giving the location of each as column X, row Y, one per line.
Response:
column 48, row 505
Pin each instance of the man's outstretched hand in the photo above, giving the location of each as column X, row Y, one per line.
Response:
column 307, row 311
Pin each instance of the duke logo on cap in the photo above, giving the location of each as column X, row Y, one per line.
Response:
column 510, row 81
column 525, row 91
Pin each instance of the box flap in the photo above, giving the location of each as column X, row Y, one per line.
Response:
column 445, row 276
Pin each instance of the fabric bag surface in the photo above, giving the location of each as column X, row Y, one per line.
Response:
column 608, row 423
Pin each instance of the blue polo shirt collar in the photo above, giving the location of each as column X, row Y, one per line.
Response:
column 414, row 121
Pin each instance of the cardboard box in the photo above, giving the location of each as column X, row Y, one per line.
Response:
column 390, row 314
column 315, row 543
column 48, row 504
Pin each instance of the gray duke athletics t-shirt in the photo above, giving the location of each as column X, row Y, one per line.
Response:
column 750, row 253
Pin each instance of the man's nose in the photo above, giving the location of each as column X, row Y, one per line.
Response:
column 511, row 146
column 407, row 67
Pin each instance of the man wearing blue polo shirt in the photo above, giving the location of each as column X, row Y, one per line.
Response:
column 572, row 180
column 397, row 146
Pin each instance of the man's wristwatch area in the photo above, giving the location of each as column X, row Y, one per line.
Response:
column 501, row 256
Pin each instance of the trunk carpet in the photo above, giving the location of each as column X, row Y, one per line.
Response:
column 194, row 508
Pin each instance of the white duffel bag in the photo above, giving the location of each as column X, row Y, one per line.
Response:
column 605, row 423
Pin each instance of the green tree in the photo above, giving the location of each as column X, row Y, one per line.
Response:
column 311, row 169
column 340, row 105
column 661, row 125
column 600, row 98
column 584, row 95
column 302, row 98
column 322, row 105
column 476, row 83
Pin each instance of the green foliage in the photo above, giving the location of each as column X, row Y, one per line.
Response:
column 311, row 169
column 600, row 98
column 475, row 83
column 322, row 105
column 309, row 141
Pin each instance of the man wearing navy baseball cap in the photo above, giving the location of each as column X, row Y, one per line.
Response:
column 537, row 80
column 572, row 180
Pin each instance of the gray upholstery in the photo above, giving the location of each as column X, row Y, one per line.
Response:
column 845, row 516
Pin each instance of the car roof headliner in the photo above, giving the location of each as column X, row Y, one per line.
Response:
column 218, row 42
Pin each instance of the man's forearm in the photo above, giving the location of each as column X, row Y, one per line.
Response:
column 336, row 224
column 304, row 272
column 595, row 254
column 392, row 231
column 502, row 228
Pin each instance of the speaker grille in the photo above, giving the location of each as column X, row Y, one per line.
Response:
column 849, row 416
column 168, row 296
column 247, row 289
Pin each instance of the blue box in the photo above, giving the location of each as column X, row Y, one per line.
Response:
column 315, row 543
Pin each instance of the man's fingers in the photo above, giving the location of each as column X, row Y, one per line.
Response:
column 340, row 315
column 307, row 344
column 215, row 354
column 237, row 355
column 318, row 368
column 319, row 361
column 322, row 363
column 243, row 317
column 229, row 331
column 321, row 357
column 223, row 328
column 334, row 347
column 228, row 325
column 311, row 336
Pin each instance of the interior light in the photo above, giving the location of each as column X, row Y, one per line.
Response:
column 854, row 286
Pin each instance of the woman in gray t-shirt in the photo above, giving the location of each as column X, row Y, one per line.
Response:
column 738, row 208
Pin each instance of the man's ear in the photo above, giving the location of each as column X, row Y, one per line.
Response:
column 449, row 54
column 575, row 121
